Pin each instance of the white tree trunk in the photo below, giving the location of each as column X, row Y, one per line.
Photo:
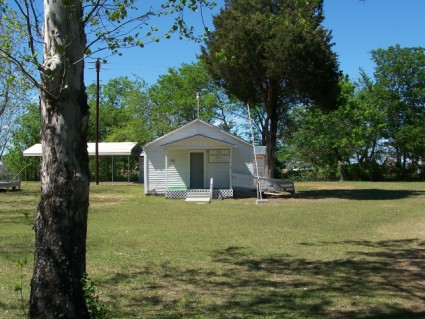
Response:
column 61, row 222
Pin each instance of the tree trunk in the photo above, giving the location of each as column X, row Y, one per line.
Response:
column 273, row 120
column 271, row 147
column 341, row 170
column 61, row 221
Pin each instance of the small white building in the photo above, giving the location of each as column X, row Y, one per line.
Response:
column 188, row 157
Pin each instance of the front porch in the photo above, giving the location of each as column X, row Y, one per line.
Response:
column 243, row 186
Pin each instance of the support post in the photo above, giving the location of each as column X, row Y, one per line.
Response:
column 128, row 168
column 112, row 168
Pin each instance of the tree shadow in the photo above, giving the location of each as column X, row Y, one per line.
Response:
column 359, row 194
column 383, row 281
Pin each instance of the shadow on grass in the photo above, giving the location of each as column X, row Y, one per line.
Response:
column 359, row 194
column 384, row 281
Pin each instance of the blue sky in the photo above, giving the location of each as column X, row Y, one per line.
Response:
column 357, row 27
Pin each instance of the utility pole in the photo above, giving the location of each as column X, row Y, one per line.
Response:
column 97, row 118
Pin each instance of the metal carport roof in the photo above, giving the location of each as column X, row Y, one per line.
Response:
column 105, row 149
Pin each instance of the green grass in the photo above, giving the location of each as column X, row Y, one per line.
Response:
column 338, row 250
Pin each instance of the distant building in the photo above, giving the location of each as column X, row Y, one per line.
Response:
column 188, row 157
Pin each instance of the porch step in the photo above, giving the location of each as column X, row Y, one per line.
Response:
column 198, row 193
column 202, row 196
column 198, row 199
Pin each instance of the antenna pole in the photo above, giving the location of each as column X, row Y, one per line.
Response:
column 198, row 97
column 260, row 199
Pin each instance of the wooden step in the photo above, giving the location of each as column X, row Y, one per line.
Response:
column 198, row 200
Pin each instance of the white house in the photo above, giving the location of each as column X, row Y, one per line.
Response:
column 188, row 157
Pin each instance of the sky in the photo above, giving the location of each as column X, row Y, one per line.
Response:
column 358, row 26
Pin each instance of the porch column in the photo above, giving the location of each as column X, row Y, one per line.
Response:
column 112, row 167
column 166, row 173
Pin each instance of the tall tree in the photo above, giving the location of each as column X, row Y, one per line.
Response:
column 59, row 36
column 274, row 53
column 400, row 91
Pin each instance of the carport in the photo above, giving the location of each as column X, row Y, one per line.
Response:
column 112, row 149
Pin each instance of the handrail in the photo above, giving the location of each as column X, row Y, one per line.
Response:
column 211, row 187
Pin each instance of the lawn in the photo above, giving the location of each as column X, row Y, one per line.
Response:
column 337, row 250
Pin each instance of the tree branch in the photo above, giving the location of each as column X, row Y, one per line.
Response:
column 26, row 14
column 93, row 10
column 121, row 26
column 13, row 60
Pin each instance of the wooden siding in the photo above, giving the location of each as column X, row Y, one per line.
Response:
column 220, row 173
column 155, row 169
column 177, row 169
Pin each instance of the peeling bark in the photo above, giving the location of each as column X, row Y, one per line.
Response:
column 61, row 221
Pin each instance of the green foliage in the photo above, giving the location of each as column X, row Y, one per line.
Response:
column 124, row 109
column 260, row 42
column 14, row 87
column 400, row 91
column 19, row 288
column 331, row 141
column 95, row 305
column 378, row 131
column 24, row 136
column 130, row 24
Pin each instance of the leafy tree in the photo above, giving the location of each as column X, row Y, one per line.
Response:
column 22, row 137
column 274, row 54
column 124, row 109
column 175, row 95
column 331, row 141
column 367, row 124
column 58, row 40
column 400, row 91
column 320, row 142
column 378, row 130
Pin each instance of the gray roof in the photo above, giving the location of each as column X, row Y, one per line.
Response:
column 203, row 123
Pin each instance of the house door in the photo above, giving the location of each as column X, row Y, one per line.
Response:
column 196, row 170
